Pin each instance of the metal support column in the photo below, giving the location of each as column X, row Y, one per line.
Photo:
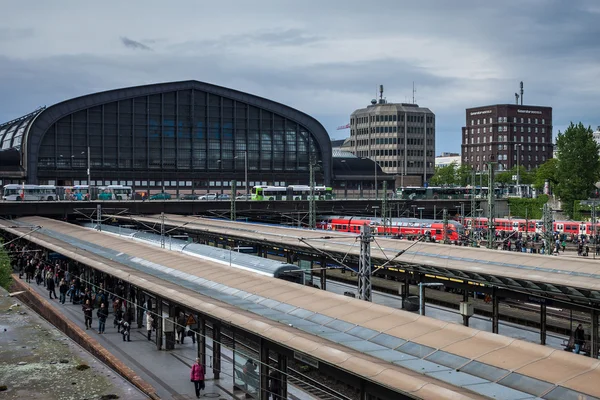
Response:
column 140, row 308
column 385, row 211
column 543, row 324
column 445, row 226
column 495, row 310
column 162, row 230
column 594, row 334
column 216, row 350
column 233, row 200
column 312, row 217
column 323, row 273
column 283, row 369
column 473, row 207
column 263, row 368
column 172, row 328
column 201, row 340
column 421, row 298
column 364, row 265
column 159, row 322
column 465, row 299
column 406, row 290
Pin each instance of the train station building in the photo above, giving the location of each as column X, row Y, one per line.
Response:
column 178, row 136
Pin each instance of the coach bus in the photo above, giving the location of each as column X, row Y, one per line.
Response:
column 115, row 192
column 16, row 192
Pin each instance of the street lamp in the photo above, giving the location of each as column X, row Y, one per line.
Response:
column 375, row 165
column 414, row 207
column 245, row 172
column 421, row 212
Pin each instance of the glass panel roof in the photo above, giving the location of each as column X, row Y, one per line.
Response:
column 526, row 384
column 484, row 371
column 388, row 340
column 497, row 391
column 447, row 359
column 415, row 349
column 362, row 332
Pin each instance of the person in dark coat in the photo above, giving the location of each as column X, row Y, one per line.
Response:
column 50, row 286
column 579, row 337
column 127, row 319
column 102, row 314
column 63, row 288
column 87, row 314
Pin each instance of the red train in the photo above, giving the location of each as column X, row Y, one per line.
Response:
column 534, row 226
column 398, row 226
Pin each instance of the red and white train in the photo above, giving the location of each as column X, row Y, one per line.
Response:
column 534, row 226
column 398, row 226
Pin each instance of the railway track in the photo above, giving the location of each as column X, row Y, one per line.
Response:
column 317, row 389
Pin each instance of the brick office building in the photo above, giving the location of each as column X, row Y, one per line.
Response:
column 507, row 134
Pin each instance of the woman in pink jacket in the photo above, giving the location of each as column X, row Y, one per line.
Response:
column 197, row 376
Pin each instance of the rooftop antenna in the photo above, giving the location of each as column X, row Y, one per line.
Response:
column 517, row 98
column 414, row 91
column 521, row 92
column 380, row 94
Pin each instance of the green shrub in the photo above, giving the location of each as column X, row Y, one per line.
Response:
column 5, row 269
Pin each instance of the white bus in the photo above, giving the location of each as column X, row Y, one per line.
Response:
column 115, row 192
column 16, row 192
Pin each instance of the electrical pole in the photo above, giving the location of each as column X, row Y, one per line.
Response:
column 491, row 207
column 548, row 230
column 99, row 217
column 473, row 208
column 233, row 198
column 445, row 225
column 312, row 218
column 162, row 230
column 385, row 210
column 364, row 265
column 594, row 235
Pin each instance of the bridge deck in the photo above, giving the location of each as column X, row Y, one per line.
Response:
column 411, row 354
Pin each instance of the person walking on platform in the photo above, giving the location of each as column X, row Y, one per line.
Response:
column 102, row 314
column 50, row 285
column 579, row 337
column 63, row 287
column 127, row 324
column 87, row 314
column 118, row 312
column 197, row 376
column 149, row 323
column 180, row 327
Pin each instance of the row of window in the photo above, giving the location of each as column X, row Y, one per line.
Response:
column 504, row 138
column 504, row 157
column 420, row 118
column 391, row 129
column 391, row 141
column 505, row 119
column 505, row 129
column 505, row 147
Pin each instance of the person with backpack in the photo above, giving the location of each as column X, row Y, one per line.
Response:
column 102, row 314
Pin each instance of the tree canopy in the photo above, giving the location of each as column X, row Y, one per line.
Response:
column 578, row 166
column 450, row 175
column 506, row 177
column 546, row 172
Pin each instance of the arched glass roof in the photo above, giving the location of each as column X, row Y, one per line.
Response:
column 11, row 133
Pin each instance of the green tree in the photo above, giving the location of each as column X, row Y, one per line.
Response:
column 463, row 175
column 444, row 176
column 578, row 166
column 5, row 269
column 546, row 172
column 506, row 177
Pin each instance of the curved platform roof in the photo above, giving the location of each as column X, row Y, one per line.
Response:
column 410, row 353
column 567, row 279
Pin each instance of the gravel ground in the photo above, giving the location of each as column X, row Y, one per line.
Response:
column 38, row 362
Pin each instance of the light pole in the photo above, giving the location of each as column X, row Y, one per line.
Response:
column 421, row 212
column 414, row 207
column 375, row 165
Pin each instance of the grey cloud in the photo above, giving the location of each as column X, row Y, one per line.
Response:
column 15, row 33
column 133, row 44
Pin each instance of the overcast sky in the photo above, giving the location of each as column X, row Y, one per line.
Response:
column 325, row 57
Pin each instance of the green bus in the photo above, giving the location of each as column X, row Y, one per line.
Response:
column 292, row 192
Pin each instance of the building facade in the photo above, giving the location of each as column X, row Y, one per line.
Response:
column 399, row 137
column 445, row 159
column 179, row 136
column 507, row 135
